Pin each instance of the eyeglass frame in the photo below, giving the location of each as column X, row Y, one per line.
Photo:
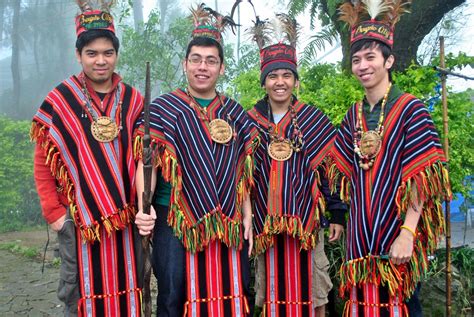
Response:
column 206, row 60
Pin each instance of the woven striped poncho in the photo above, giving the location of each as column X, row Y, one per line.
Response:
column 410, row 158
column 209, row 180
column 288, row 198
column 97, row 178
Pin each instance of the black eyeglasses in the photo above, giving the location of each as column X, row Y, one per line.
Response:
column 209, row 61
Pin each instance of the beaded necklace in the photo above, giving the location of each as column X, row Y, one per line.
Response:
column 220, row 130
column 280, row 148
column 367, row 144
column 103, row 128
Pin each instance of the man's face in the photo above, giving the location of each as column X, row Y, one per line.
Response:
column 369, row 67
column 98, row 59
column 203, row 67
column 279, row 85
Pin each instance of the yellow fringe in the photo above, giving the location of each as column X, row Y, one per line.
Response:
column 431, row 186
column 291, row 225
column 117, row 221
column 334, row 176
column 399, row 279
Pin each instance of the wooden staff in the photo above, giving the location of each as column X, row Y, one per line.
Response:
column 446, row 153
column 146, row 201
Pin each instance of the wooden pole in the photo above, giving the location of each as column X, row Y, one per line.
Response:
column 146, row 201
column 446, row 153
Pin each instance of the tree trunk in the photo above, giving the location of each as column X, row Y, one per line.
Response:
column 2, row 10
column 36, row 36
column 415, row 26
column 409, row 32
column 138, row 15
column 15, row 63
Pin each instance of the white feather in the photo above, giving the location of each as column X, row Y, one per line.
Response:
column 375, row 7
column 277, row 28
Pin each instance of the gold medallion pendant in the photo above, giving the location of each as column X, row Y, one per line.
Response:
column 104, row 129
column 221, row 131
column 280, row 150
column 370, row 144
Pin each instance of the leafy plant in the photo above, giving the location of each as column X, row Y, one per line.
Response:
column 165, row 51
column 21, row 250
column 20, row 205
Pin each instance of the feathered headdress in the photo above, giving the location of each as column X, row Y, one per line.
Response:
column 95, row 15
column 373, row 19
column 283, row 33
column 210, row 23
column 281, row 29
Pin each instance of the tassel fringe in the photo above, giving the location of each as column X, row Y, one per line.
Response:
column 334, row 175
column 292, row 225
column 432, row 187
column 116, row 221
column 214, row 225
column 401, row 280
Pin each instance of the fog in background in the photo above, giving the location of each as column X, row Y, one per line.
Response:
column 37, row 39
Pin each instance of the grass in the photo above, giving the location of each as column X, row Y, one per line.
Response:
column 16, row 248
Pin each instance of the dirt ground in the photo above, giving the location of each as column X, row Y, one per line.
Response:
column 24, row 289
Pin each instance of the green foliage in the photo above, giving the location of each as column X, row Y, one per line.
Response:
column 331, row 90
column 19, row 203
column 21, row 250
column 461, row 138
column 56, row 262
column 164, row 51
column 456, row 61
column 317, row 42
column 246, row 88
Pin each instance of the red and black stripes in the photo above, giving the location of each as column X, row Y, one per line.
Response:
column 289, row 276
column 98, row 180
column 108, row 276
column 287, row 193
column 410, row 160
column 101, row 175
column 215, row 282
column 408, row 143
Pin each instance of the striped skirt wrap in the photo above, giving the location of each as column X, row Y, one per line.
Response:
column 289, row 276
column 109, row 286
column 374, row 300
column 216, row 282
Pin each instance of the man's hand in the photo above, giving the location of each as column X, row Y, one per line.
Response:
column 58, row 224
column 402, row 248
column 145, row 223
column 335, row 232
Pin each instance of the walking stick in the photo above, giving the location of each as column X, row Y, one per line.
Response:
column 446, row 153
column 146, row 201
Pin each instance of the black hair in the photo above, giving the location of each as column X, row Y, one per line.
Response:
column 91, row 35
column 367, row 43
column 206, row 42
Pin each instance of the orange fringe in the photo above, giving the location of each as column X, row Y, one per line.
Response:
column 432, row 187
column 214, row 225
column 117, row 221
column 292, row 225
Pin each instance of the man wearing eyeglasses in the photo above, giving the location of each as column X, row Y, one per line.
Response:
column 201, row 217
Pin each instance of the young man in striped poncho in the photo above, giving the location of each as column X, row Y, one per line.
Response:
column 389, row 162
column 85, row 174
column 291, row 188
column 201, row 218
